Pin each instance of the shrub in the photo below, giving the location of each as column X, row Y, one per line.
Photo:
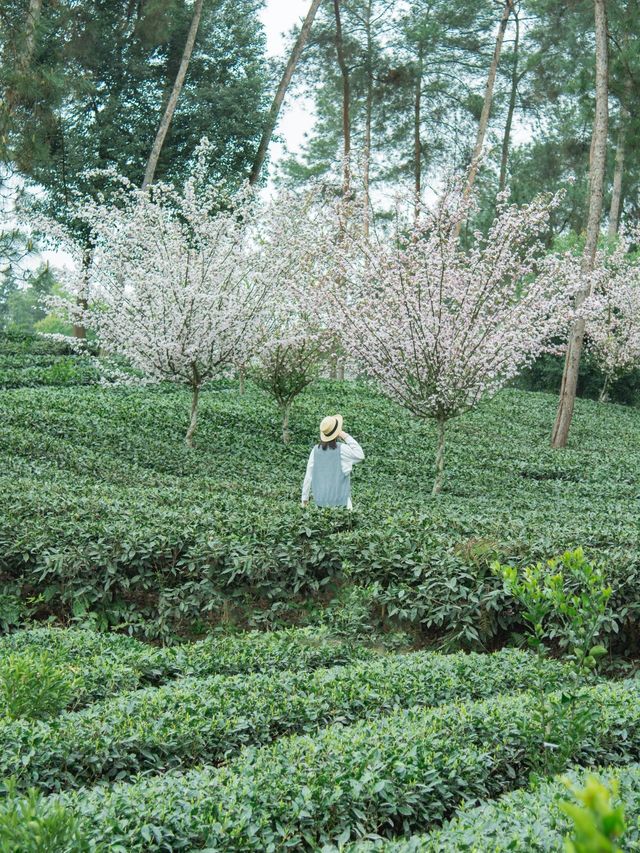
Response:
column 97, row 665
column 34, row 686
column 34, row 825
column 33, row 360
column 104, row 515
column 23, row 343
column 78, row 645
column 563, row 600
column 402, row 773
column 12, row 608
column 295, row 649
column 597, row 824
column 286, row 367
column 104, row 664
column 206, row 720
column 531, row 820
column 546, row 375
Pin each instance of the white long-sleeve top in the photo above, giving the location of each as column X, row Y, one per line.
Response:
column 350, row 454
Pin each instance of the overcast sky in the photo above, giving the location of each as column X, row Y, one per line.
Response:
column 296, row 118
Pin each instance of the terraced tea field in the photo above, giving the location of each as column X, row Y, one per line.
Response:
column 295, row 740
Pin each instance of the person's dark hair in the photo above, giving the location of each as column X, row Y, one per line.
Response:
column 332, row 444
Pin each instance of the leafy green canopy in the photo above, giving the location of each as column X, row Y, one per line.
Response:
column 526, row 821
column 103, row 665
column 92, row 95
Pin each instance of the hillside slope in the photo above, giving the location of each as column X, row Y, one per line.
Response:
column 103, row 508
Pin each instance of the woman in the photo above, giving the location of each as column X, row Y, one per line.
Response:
column 328, row 475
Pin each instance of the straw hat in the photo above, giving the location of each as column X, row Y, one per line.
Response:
column 330, row 427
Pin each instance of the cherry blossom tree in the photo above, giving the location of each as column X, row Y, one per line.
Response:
column 297, row 234
column 440, row 327
column 177, row 283
column 613, row 312
column 286, row 366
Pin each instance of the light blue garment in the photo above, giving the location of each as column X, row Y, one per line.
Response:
column 330, row 486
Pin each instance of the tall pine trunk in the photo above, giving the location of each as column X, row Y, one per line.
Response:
column 22, row 53
column 486, row 105
column 346, row 135
column 346, row 104
column 515, row 80
column 281, row 91
column 417, row 137
column 31, row 25
column 618, row 172
column 170, row 109
column 597, row 166
column 368, row 119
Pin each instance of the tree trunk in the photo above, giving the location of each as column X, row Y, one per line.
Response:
column 596, row 187
column 346, row 105
column 417, row 142
column 241, row 378
column 272, row 118
column 368, row 119
column 24, row 55
column 82, row 301
column 625, row 114
column 79, row 331
column 33, row 19
column 515, row 79
column 603, row 393
column 337, row 370
column 616, row 192
column 441, row 422
column 486, row 106
column 170, row 109
column 286, row 435
column 194, row 415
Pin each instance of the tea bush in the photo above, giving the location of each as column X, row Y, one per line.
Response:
column 524, row 821
column 24, row 344
column 402, row 773
column 598, row 823
column 79, row 646
column 104, row 664
column 96, row 665
column 33, row 824
column 304, row 738
column 35, row 371
column 33, row 685
column 31, row 360
column 105, row 516
column 206, row 720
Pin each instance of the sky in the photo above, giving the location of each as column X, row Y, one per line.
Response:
column 296, row 118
